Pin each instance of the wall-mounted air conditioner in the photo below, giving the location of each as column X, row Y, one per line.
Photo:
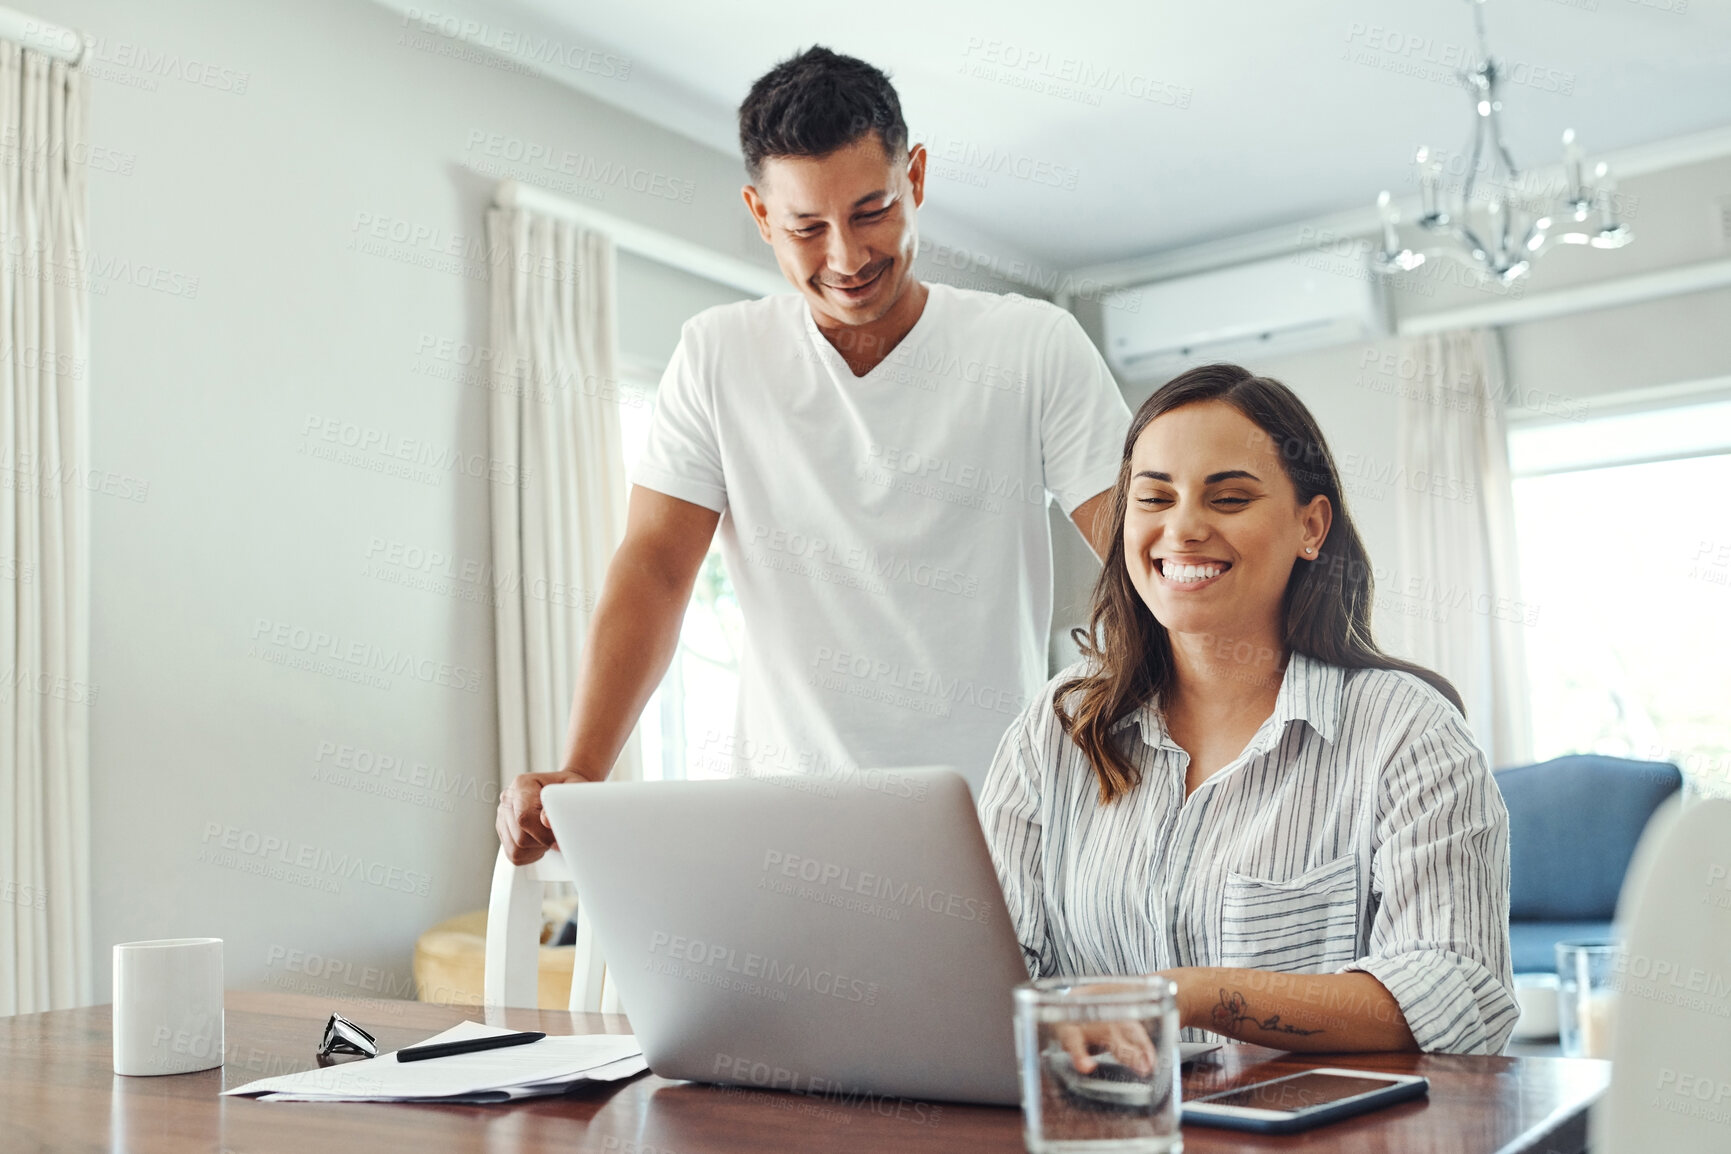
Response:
column 1248, row 312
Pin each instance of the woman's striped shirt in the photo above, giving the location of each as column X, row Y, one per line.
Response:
column 1358, row 830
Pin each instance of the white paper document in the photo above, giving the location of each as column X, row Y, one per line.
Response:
column 549, row 1066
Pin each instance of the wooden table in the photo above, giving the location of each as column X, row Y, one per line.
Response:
column 58, row 1092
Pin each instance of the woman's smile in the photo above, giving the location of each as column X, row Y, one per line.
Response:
column 1189, row 574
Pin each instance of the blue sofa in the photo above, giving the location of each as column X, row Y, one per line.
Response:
column 1573, row 825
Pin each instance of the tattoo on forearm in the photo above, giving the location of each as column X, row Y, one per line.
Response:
column 1231, row 1012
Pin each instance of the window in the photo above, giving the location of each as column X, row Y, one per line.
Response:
column 1624, row 526
column 695, row 702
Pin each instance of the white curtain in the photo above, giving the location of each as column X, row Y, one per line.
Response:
column 1457, row 584
column 45, row 697
column 555, row 434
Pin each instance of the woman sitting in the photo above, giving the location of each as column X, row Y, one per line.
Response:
column 1235, row 787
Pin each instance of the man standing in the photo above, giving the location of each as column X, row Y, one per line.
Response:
column 877, row 453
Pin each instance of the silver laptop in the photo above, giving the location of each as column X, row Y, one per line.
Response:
column 843, row 939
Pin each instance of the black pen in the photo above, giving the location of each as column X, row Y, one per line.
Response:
column 446, row 1049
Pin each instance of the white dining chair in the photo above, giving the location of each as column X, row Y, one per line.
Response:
column 510, row 976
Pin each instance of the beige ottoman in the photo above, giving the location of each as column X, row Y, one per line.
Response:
column 450, row 959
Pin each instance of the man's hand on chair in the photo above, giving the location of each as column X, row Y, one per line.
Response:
column 522, row 826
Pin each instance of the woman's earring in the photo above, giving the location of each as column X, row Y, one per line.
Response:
column 1308, row 549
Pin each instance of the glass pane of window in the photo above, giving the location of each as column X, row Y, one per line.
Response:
column 1631, row 569
column 693, row 707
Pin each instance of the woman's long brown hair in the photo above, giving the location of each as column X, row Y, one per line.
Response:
column 1326, row 609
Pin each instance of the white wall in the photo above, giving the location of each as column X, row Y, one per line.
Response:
column 287, row 238
column 654, row 301
column 1577, row 358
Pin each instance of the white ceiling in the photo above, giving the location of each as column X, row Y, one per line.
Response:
column 1259, row 112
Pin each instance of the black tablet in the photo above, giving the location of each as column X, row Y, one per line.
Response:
column 1300, row 1101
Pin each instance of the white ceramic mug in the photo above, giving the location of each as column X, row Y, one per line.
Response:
column 168, row 1006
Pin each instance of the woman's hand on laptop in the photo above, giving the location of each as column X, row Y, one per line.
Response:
column 522, row 825
column 1126, row 1041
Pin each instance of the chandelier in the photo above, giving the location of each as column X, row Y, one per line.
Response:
column 1501, row 220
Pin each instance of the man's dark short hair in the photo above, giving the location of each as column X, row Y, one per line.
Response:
column 815, row 103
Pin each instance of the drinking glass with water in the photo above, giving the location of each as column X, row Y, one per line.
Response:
column 1587, row 981
column 1099, row 1065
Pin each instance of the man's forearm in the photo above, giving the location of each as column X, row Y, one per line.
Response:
column 1316, row 1012
column 632, row 638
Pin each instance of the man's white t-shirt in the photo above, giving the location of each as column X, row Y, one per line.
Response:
column 886, row 535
